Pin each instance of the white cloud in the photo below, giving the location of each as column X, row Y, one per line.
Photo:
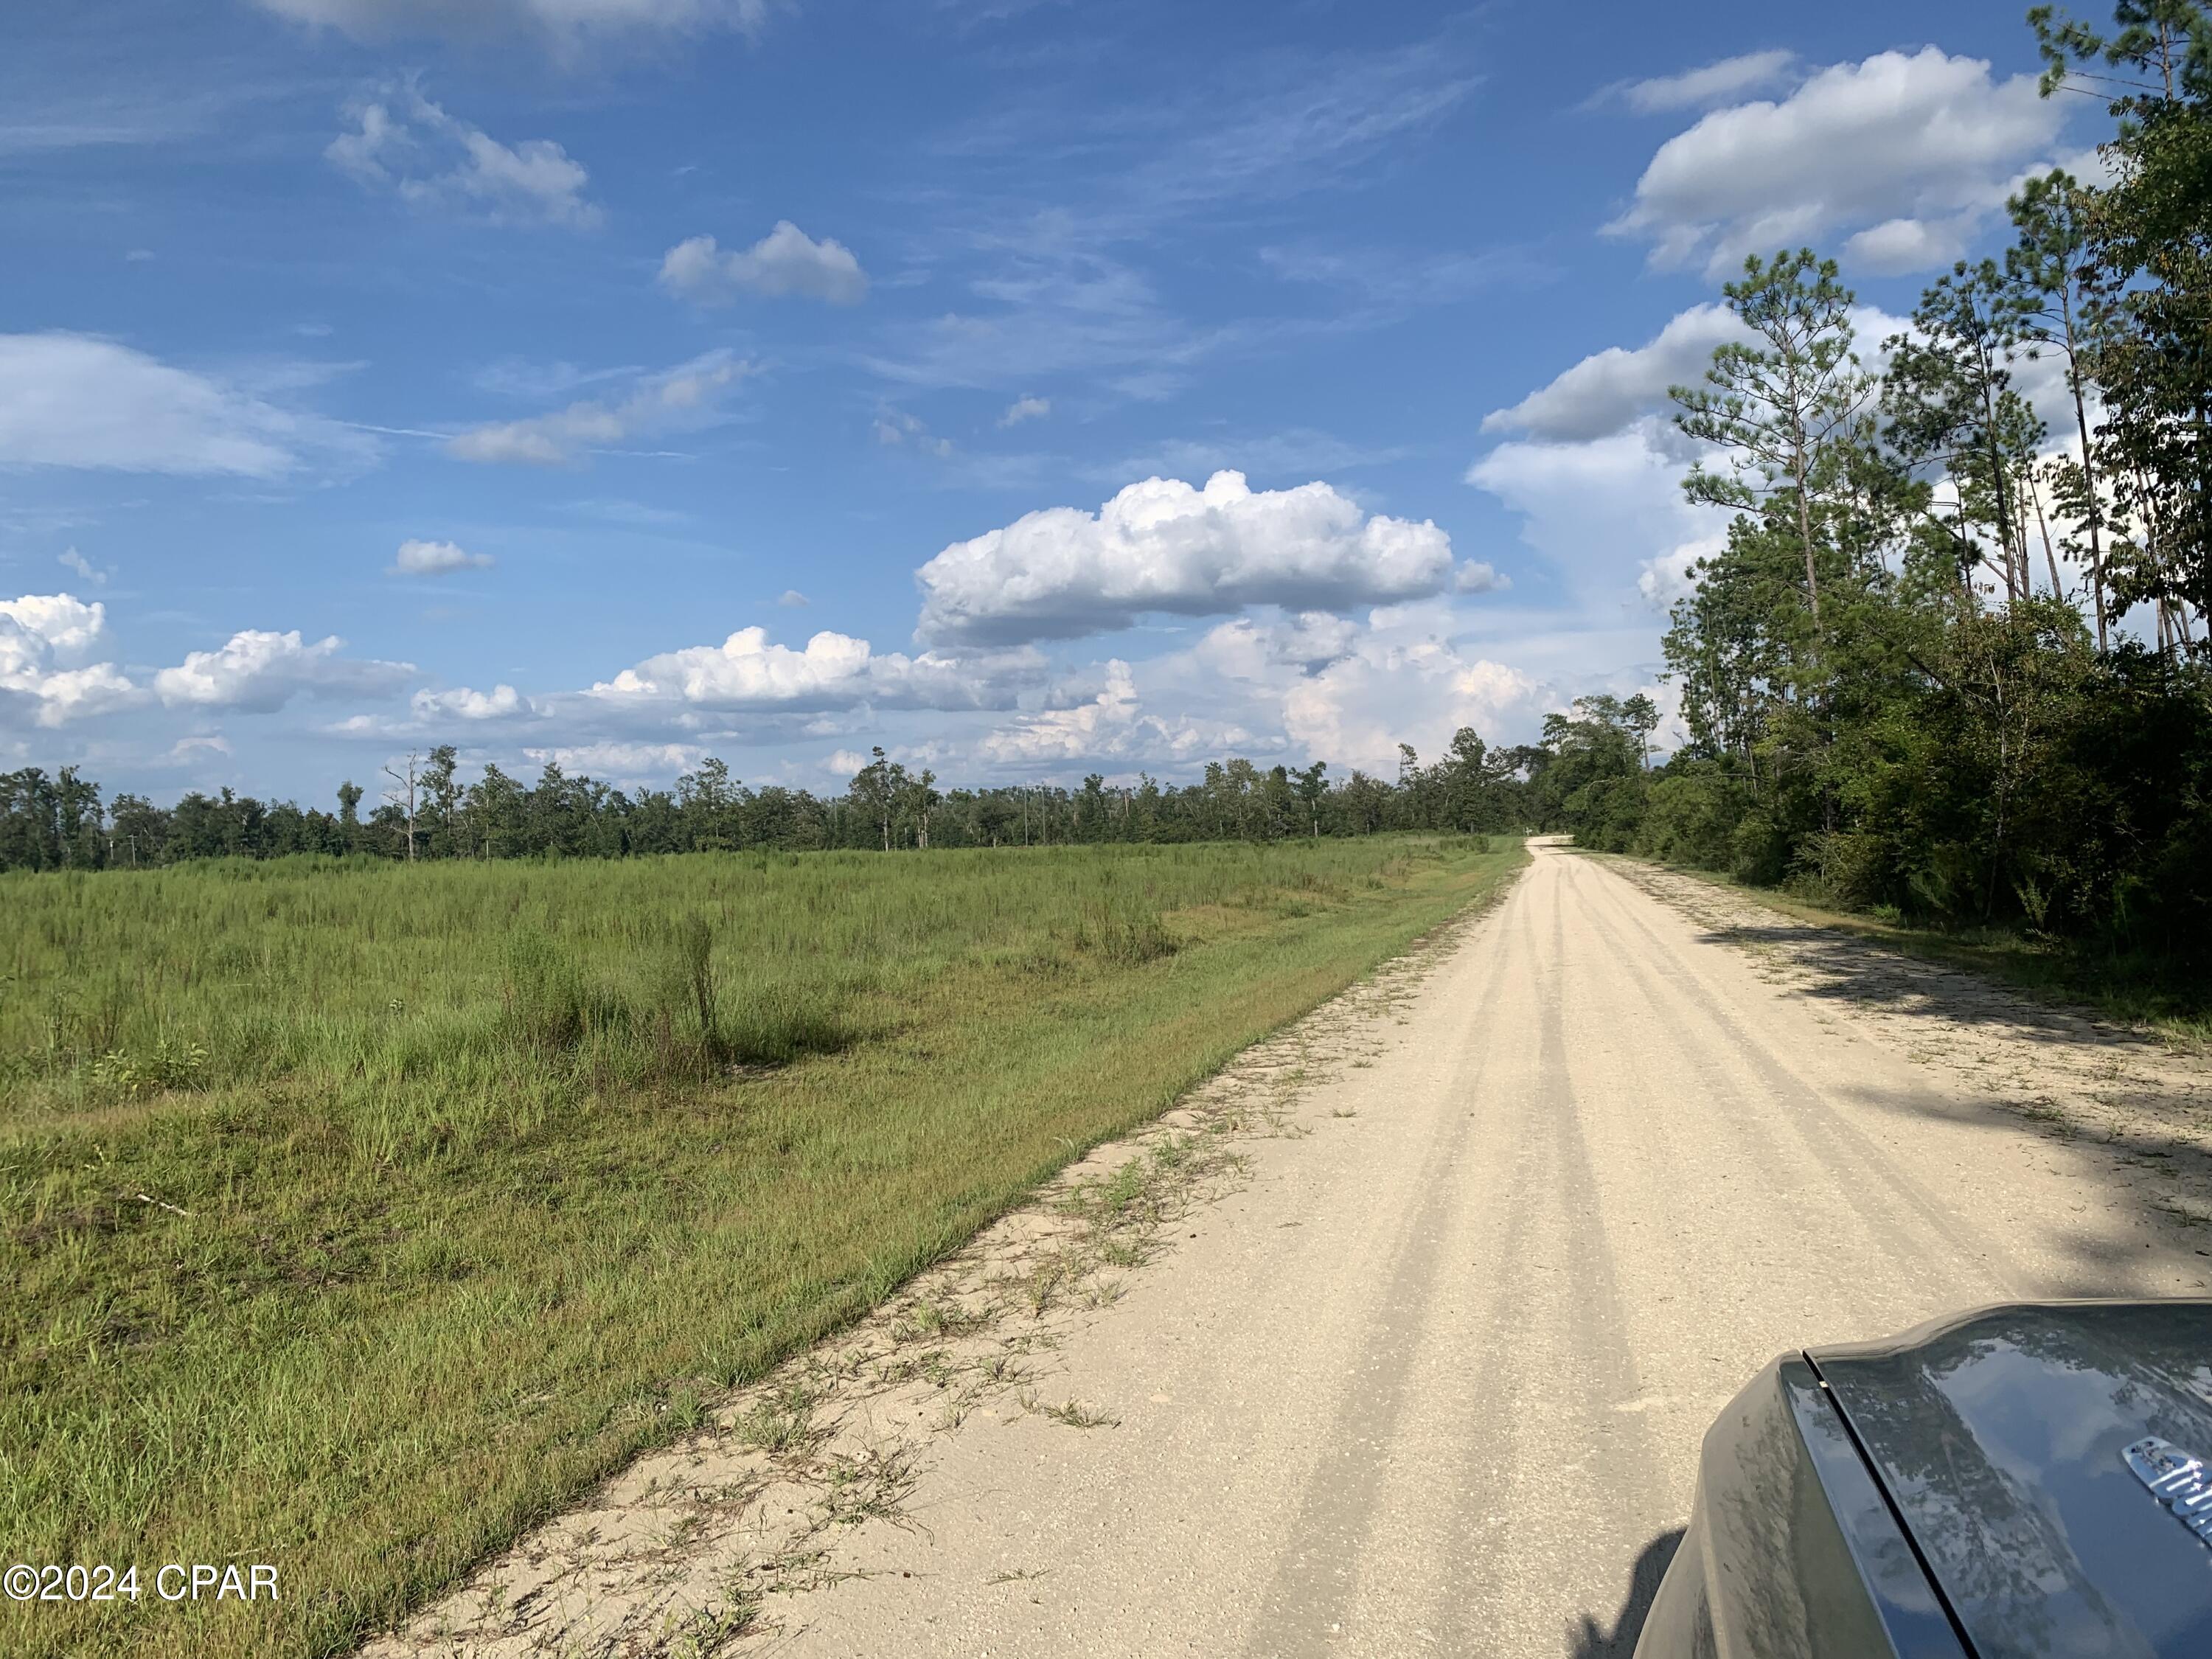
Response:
column 1162, row 545
column 630, row 763
column 58, row 622
column 1924, row 136
column 1698, row 88
column 1025, row 409
column 1613, row 390
column 501, row 702
column 786, row 262
column 792, row 599
column 39, row 634
column 1478, row 576
column 1902, row 245
column 416, row 558
column 1600, row 507
column 899, row 430
column 77, row 400
column 437, row 162
column 70, row 559
column 1672, row 576
column 567, row 25
column 1408, row 684
column 682, row 397
column 833, row 671
column 1605, row 392
column 1112, row 726
column 1318, row 686
column 262, row 670
column 1300, row 449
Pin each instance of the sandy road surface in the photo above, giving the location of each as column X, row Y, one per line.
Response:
column 1433, row 1377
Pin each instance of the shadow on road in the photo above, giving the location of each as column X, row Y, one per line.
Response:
column 1594, row 1642
column 1868, row 972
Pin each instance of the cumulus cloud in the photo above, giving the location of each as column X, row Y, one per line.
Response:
column 1409, row 683
column 416, row 558
column 683, row 397
column 1673, row 574
column 438, row 162
column 1612, row 391
column 59, row 622
column 1112, row 726
column 785, row 263
column 567, row 25
column 261, row 670
column 501, row 702
column 1695, row 89
column 1250, row 647
column 747, row 671
column 1163, row 545
column 41, row 634
column 1598, row 509
column 1901, row 244
column 1314, row 684
column 1924, row 136
column 77, row 400
column 1605, row 392
column 1025, row 409
column 792, row 599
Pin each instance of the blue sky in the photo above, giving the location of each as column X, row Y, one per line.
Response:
column 380, row 372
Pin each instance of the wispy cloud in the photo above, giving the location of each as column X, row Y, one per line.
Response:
column 1709, row 84
column 78, row 400
column 685, row 398
column 436, row 162
column 1056, row 269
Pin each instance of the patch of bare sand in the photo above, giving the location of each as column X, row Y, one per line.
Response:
column 2066, row 1070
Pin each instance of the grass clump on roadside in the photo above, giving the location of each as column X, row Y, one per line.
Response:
column 355, row 1220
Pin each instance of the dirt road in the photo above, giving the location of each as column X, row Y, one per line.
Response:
column 1432, row 1378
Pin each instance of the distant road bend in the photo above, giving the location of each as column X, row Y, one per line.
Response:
column 1435, row 1378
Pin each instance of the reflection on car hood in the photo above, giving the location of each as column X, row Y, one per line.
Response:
column 2002, row 1438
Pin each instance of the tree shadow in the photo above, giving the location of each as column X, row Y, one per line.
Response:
column 1862, row 970
column 1593, row 1641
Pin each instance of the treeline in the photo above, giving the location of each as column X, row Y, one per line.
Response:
column 429, row 812
column 1905, row 679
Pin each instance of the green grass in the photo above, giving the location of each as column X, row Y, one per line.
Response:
column 2145, row 992
column 353, row 1219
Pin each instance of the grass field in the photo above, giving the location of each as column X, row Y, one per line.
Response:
column 355, row 1219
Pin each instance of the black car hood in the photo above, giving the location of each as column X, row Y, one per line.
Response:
column 2001, row 1436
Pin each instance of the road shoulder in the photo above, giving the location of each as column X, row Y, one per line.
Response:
column 2064, row 1070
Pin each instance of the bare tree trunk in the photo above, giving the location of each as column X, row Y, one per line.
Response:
column 2050, row 558
column 2088, row 473
column 1805, row 534
column 403, row 792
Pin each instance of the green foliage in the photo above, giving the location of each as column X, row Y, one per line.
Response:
column 1893, row 704
column 1955, row 742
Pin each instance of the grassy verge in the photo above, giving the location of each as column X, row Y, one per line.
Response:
column 2137, row 991
column 355, row 1220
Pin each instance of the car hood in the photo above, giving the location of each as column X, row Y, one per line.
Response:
column 2002, row 1438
